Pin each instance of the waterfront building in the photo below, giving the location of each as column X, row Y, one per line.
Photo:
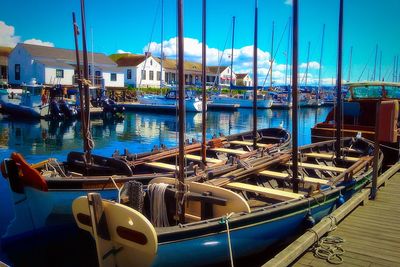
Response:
column 4, row 53
column 220, row 75
column 243, row 79
column 50, row 65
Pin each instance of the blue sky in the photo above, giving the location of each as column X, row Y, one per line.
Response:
column 128, row 26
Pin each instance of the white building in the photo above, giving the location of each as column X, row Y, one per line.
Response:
column 243, row 79
column 220, row 75
column 50, row 65
column 140, row 70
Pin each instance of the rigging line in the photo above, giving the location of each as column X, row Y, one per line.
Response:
column 151, row 38
column 365, row 67
column 222, row 55
column 274, row 54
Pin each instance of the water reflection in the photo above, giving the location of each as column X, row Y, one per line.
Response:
column 139, row 131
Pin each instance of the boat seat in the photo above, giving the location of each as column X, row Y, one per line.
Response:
column 319, row 167
column 229, row 151
column 162, row 166
column 267, row 192
column 329, row 156
column 247, row 143
column 280, row 175
column 198, row 158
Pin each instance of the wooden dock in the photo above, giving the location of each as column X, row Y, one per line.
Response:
column 371, row 232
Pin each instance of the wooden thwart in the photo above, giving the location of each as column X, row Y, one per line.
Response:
column 247, row 143
column 198, row 158
column 163, row 166
column 280, row 175
column 329, row 156
column 229, row 151
column 268, row 192
column 319, row 167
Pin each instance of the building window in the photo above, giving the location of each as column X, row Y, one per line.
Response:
column 158, row 75
column 59, row 73
column 151, row 75
column 151, row 62
column 97, row 73
column 129, row 74
column 173, row 77
column 113, row 77
column 143, row 74
column 17, row 72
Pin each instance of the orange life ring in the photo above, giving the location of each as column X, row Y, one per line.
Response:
column 29, row 176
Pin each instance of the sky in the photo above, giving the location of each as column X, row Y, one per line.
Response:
column 131, row 25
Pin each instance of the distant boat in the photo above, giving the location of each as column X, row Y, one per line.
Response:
column 280, row 100
column 169, row 101
column 244, row 100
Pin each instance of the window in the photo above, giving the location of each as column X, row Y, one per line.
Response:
column 151, row 75
column 17, row 72
column 173, row 77
column 97, row 73
column 151, row 62
column 158, row 75
column 113, row 77
column 143, row 74
column 59, row 73
column 129, row 74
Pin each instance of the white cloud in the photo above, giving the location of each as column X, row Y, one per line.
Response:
column 311, row 65
column 120, row 51
column 38, row 42
column 289, row 2
column 7, row 35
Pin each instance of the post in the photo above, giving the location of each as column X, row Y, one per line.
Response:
column 233, row 43
column 339, row 85
column 295, row 149
column 255, row 82
column 181, row 110
column 162, row 44
column 374, row 187
column 203, row 83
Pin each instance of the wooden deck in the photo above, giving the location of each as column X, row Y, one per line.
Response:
column 371, row 232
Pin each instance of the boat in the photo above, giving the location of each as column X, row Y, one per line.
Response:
column 280, row 100
column 359, row 116
column 243, row 100
column 169, row 101
column 244, row 211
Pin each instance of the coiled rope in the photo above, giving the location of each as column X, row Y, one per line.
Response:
column 158, row 209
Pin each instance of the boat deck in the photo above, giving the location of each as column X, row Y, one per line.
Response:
column 371, row 232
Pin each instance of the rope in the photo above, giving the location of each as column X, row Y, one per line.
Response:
column 118, row 188
column 158, row 209
column 226, row 221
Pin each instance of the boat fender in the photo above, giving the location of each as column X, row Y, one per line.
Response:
column 28, row 175
column 340, row 200
column 309, row 220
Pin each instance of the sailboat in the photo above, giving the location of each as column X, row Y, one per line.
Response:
column 238, row 214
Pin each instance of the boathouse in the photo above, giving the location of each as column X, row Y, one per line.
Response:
column 50, row 65
column 4, row 53
column 243, row 79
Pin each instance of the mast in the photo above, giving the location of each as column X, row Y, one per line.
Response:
column 181, row 110
column 380, row 66
column 320, row 63
column 397, row 69
column 308, row 63
column 288, row 53
column 92, row 69
column 255, row 83
column 162, row 43
column 339, row 83
column 203, row 84
column 295, row 149
column 351, row 58
column 376, row 61
column 272, row 54
column 78, row 68
column 233, row 43
column 394, row 69
column 87, row 134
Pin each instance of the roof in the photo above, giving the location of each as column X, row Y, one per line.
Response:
column 241, row 75
column 5, row 51
column 216, row 69
column 126, row 60
column 56, row 64
column 63, row 54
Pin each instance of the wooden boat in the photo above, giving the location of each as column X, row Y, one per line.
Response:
column 49, row 187
column 248, row 210
column 359, row 116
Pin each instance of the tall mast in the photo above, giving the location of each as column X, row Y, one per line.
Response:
column 308, row 63
column 394, row 69
column 380, row 66
column 288, row 52
column 81, row 93
column 320, row 62
column 376, row 62
column 339, row 83
column 351, row 58
column 295, row 149
column 87, row 134
column 272, row 54
column 203, row 84
column 162, row 43
column 397, row 69
column 233, row 43
column 92, row 69
column 255, row 83
column 181, row 110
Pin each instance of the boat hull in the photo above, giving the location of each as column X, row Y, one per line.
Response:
column 243, row 103
column 191, row 105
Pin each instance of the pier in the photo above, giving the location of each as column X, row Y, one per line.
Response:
column 370, row 229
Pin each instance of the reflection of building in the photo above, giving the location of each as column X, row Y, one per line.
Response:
column 4, row 52
column 243, row 79
column 50, row 65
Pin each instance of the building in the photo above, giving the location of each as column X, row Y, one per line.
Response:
column 243, row 79
column 139, row 70
column 4, row 53
column 192, row 72
column 50, row 65
column 220, row 75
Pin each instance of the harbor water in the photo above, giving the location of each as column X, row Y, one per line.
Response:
column 137, row 132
